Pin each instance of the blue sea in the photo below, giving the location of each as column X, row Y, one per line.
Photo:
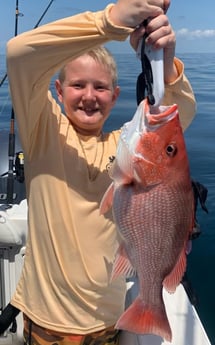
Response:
column 200, row 140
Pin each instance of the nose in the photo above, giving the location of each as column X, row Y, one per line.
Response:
column 89, row 93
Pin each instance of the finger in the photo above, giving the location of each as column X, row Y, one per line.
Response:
column 166, row 5
column 162, row 41
column 157, row 23
column 136, row 35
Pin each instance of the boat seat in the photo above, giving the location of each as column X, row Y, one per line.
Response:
column 13, row 224
column 13, row 233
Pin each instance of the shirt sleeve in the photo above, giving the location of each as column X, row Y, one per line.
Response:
column 180, row 92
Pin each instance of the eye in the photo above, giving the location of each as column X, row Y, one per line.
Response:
column 171, row 150
column 100, row 87
column 77, row 86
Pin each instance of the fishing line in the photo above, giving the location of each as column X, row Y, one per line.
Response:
column 4, row 104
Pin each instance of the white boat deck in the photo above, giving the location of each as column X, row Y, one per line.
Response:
column 185, row 323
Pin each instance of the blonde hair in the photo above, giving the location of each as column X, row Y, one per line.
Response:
column 103, row 56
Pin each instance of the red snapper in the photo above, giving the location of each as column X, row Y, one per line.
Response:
column 153, row 207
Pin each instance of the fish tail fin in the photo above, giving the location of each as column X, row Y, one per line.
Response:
column 142, row 319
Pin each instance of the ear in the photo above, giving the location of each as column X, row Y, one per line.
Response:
column 116, row 93
column 59, row 90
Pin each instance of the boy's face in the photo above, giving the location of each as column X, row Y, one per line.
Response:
column 87, row 94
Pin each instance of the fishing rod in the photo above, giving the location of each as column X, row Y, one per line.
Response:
column 11, row 143
column 17, row 14
column 3, row 79
column 44, row 13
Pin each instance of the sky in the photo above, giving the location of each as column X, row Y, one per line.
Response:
column 192, row 20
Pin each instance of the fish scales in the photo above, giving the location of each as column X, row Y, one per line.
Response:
column 153, row 221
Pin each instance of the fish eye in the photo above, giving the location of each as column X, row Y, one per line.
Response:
column 171, row 150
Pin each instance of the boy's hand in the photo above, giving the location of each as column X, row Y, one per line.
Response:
column 131, row 13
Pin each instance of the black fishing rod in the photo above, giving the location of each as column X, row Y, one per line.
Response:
column 3, row 79
column 17, row 14
column 44, row 13
column 11, row 143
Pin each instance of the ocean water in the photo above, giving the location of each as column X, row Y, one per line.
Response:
column 200, row 140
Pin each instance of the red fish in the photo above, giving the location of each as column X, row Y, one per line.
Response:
column 153, row 207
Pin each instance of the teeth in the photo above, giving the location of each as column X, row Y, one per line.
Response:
column 88, row 109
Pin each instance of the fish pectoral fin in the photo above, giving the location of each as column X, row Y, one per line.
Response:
column 174, row 278
column 122, row 264
column 140, row 318
column 107, row 199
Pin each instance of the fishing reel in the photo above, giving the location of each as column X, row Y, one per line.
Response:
column 19, row 167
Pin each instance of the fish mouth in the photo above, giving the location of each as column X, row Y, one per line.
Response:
column 152, row 121
column 145, row 120
column 142, row 122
